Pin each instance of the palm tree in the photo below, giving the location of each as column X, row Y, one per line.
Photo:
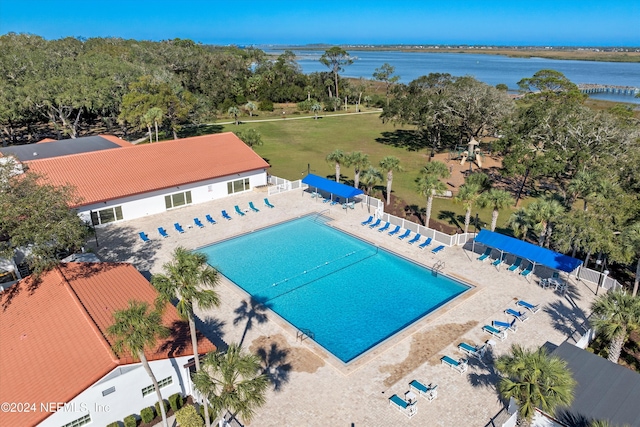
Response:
column 468, row 194
column 520, row 223
column 542, row 212
column 370, row 177
column 232, row 381
column 234, row 111
column 390, row 164
column 616, row 315
column 631, row 242
column 315, row 107
column 250, row 107
column 155, row 115
column 585, row 184
column 359, row 161
column 535, row 380
column 136, row 329
column 336, row 157
column 189, row 278
column 496, row 199
column 480, row 179
column 428, row 186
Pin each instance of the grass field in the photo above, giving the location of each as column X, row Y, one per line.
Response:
column 290, row 145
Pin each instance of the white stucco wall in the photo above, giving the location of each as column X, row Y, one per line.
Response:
column 127, row 398
column 153, row 202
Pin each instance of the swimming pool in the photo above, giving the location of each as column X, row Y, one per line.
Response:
column 349, row 293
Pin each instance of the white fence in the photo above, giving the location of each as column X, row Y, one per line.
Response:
column 279, row 185
column 599, row 278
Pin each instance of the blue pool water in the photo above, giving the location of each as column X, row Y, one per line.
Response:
column 349, row 293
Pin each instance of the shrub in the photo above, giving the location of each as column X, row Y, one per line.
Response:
column 114, row 424
column 148, row 414
column 166, row 407
column 130, row 421
column 265, row 105
column 175, row 401
column 241, row 99
column 306, row 105
column 188, row 417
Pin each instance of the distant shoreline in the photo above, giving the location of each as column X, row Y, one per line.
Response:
column 575, row 54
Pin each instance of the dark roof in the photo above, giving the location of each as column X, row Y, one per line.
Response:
column 332, row 187
column 605, row 390
column 533, row 253
column 64, row 147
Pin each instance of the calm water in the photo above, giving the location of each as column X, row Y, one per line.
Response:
column 349, row 293
column 491, row 69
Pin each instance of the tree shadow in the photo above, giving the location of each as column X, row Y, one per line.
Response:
column 212, row 329
column 570, row 419
column 402, row 138
column 485, row 374
column 253, row 310
column 199, row 130
column 566, row 319
column 452, row 218
column 415, row 211
column 275, row 365
column 122, row 244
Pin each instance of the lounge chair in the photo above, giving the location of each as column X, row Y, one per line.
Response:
column 209, row 219
column 336, row 201
column 501, row 335
column 527, row 271
column 532, row 308
column 238, row 211
column 485, row 255
column 375, row 224
column 394, row 231
column 517, row 314
column 425, row 243
column 368, row 221
column 253, row 208
column 496, row 262
column 460, row 365
column 267, row 203
column 403, row 406
column 197, row 222
column 178, row 228
column 505, row 325
column 438, row 249
column 351, row 205
column 385, row 227
column 404, row 235
column 162, row 232
column 225, row 215
column 415, row 239
column 515, row 265
column 429, row 392
column 143, row 236
column 327, row 200
column 472, row 351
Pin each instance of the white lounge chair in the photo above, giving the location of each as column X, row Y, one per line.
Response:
column 429, row 392
column 532, row 308
column 506, row 325
column 473, row 351
column 460, row 365
column 523, row 317
column 409, row 409
column 501, row 335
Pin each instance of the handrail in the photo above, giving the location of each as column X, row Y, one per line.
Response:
column 320, row 213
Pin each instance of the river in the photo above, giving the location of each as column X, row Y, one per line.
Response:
column 491, row 69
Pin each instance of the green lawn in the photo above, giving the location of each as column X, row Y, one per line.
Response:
column 289, row 145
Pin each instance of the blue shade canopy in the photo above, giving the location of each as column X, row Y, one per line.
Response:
column 340, row 190
column 534, row 253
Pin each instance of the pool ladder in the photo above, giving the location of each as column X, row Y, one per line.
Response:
column 304, row 333
column 438, row 267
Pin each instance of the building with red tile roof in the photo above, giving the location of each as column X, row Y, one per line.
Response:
column 55, row 349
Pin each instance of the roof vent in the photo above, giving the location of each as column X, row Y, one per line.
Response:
column 35, row 154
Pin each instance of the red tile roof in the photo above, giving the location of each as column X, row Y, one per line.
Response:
column 53, row 342
column 110, row 174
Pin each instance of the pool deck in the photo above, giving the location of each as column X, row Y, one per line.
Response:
column 331, row 393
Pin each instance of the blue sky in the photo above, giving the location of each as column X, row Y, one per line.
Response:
column 514, row 22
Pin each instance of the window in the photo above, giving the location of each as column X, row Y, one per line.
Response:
column 79, row 422
column 108, row 391
column 105, row 216
column 178, row 199
column 162, row 383
column 237, row 186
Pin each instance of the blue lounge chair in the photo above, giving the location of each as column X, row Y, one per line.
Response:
column 472, row 350
column 336, row 201
column 162, row 232
column 515, row 265
column 368, row 221
column 327, row 200
column 532, row 308
column 501, row 335
column 438, row 249
column 385, row 227
column 458, row 365
column 267, row 203
column 211, row 220
column 253, row 208
column 505, row 325
column 415, row 239
column 517, row 314
column 496, row 262
column 225, row 215
column 178, row 228
column 425, row 243
column 143, row 236
column 403, row 406
column 485, row 255
column 429, row 392
column 527, row 271
column 404, row 235
column 394, row 231
column 198, row 223
column 238, row 211
column 375, row 224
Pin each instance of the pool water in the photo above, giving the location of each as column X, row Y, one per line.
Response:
column 349, row 293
